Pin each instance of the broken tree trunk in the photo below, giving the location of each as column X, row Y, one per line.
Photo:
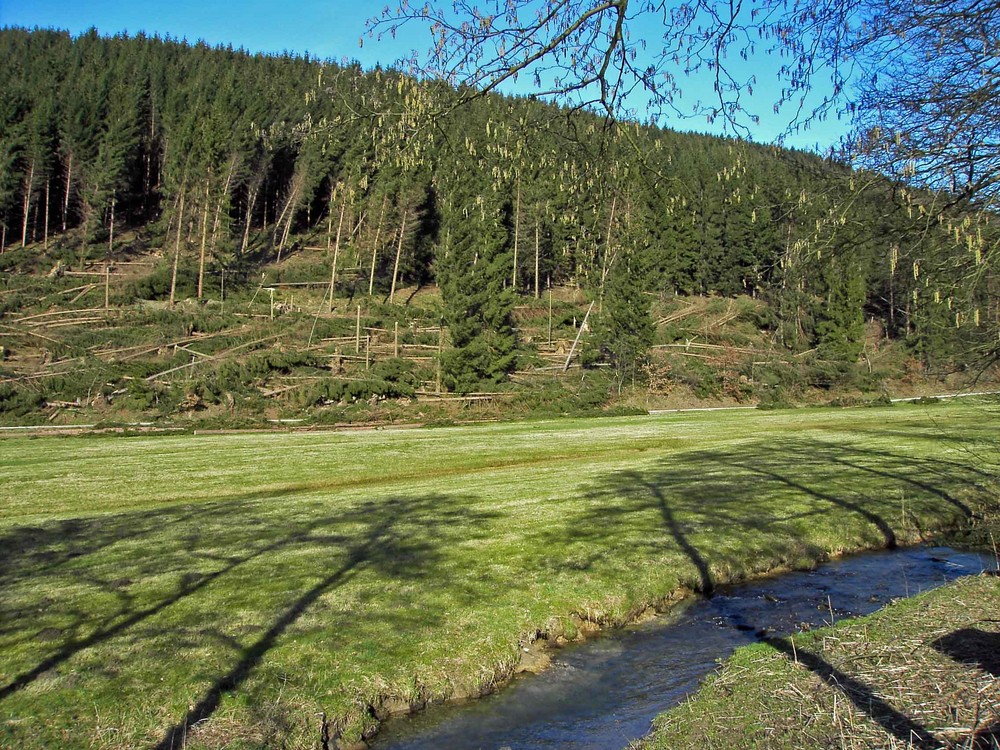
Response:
column 204, row 242
column 357, row 332
column 213, row 357
column 583, row 327
column 537, row 285
column 29, row 185
column 251, row 202
column 336, row 247
column 111, row 227
column 395, row 266
column 177, row 249
column 289, row 210
column 606, row 264
column 378, row 234
column 45, row 229
column 69, row 184
column 517, row 224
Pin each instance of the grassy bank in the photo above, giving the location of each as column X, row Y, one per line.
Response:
column 252, row 590
column 921, row 673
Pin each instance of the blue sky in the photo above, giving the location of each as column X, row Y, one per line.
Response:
column 323, row 28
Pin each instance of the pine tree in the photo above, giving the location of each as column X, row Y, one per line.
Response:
column 213, row 145
column 110, row 172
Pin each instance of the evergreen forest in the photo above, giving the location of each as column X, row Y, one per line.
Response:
column 187, row 228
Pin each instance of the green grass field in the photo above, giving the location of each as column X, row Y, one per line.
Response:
column 258, row 590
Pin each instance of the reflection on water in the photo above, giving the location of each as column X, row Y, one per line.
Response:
column 603, row 694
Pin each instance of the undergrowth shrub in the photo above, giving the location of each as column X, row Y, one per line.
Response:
column 558, row 398
column 702, row 379
column 775, row 401
column 391, row 378
column 827, row 374
column 139, row 395
column 17, row 402
column 156, row 285
column 238, row 375
column 853, row 401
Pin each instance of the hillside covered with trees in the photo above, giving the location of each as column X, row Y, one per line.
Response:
column 188, row 228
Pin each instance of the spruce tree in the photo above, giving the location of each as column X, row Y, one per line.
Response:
column 841, row 325
column 11, row 145
column 624, row 330
column 473, row 275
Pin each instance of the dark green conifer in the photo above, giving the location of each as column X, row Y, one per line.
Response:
column 624, row 329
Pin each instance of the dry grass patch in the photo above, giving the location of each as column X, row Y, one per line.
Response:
column 922, row 673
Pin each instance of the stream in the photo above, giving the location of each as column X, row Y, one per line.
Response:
column 602, row 694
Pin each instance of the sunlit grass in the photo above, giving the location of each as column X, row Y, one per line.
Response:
column 238, row 588
column 919, row 673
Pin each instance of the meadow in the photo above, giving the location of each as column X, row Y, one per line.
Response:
column 292, row 589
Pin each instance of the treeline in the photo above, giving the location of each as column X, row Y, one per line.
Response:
column 230, row 159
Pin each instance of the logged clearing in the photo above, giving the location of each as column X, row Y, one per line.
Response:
column 252, row 590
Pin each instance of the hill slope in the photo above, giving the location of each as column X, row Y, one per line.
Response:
column 156, row 198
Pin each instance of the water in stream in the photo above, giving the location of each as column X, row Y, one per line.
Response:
column 602, row 694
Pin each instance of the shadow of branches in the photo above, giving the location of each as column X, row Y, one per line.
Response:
column 237, row 575
column 904, row 728
column 980, row 648
column 724, row 512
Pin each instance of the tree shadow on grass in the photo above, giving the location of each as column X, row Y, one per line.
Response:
column 896, row 723
column 770, row 499
column 133, row 570
column 970, row 646
column 30, row 551
column 90, row 629
column 777, row 499
column 979, row 648
column 383, row 546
